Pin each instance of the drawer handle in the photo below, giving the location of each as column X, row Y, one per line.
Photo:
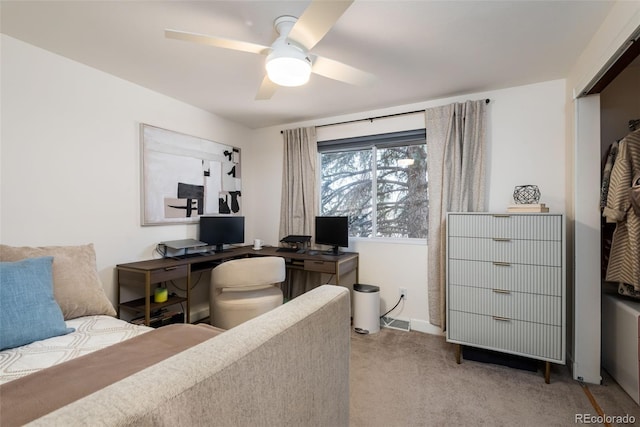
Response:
column 169, row 268
column 501, row 239
column 501, row 319
column 501, row 215
column 319, row 262
column 501, row 264
column 501, row 291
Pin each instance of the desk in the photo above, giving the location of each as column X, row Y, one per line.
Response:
column 338, row 265
column 150, row 272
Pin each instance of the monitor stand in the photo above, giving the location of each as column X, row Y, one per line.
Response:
column 335, row 251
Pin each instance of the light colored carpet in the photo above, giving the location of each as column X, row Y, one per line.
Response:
column 411, row 379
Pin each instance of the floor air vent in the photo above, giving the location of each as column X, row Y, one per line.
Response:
column 390, row 322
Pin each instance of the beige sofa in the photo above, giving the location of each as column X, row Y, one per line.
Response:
column 288, row 367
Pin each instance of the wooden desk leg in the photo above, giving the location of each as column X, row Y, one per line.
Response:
column 547, row 372
column 458, row 353
column 118, row 295
column 187, row 315
column 147, row 298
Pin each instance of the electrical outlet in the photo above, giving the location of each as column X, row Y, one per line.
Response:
column 403, row 293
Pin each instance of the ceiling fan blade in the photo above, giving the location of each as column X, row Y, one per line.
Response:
column 217, row 41
column 342, row 72
column 317, row 20
column 267, row 89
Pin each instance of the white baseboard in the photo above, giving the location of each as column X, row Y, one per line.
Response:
column 199, row 314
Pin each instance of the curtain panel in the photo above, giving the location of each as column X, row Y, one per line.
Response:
column 299, row 203
column 456, row 165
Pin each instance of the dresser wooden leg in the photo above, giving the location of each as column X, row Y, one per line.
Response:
column 458, row 351
column 547, row 372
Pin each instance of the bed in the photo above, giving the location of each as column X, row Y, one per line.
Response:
column 91, row 333
column 99, row 370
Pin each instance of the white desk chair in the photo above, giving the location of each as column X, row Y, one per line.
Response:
column 244, row 288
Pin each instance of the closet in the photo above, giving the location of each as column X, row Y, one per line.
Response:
column 619, row 114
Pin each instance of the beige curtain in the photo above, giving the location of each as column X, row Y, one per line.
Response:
column 299, row 204
column 455, row 162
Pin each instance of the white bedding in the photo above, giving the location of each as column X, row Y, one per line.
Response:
column 92, row 333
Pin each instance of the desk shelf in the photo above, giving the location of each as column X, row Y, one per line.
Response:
column 138, row 305
column 145, row 275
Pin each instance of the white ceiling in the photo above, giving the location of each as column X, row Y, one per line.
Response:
column 419, row 50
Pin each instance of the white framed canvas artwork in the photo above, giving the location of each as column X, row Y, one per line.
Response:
column 185, row 177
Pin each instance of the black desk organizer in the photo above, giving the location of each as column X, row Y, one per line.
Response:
column 296, row 242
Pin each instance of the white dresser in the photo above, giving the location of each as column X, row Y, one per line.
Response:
column 506, row 284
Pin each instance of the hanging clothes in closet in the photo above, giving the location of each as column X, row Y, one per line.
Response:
column 624, row 258
column 606, row 173
column 607, row 229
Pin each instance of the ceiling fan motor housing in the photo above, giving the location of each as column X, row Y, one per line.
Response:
column 288, row 64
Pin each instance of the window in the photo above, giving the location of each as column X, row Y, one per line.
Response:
column 379, row 181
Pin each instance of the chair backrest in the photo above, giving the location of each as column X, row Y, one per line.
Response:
column 249, row 273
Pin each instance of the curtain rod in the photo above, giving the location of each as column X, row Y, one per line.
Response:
column 371, row 119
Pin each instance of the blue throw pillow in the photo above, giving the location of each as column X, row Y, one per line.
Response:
column 28, row 311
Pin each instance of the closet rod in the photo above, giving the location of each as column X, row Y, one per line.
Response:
column 371, row 119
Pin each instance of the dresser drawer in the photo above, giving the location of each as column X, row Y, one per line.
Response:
column 512, row 305
column 538, row 252
column 511, row 336
column 320, row 266
column 514, row 226
column 534, row 279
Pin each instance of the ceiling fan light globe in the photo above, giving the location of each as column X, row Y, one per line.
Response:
column 288, row 70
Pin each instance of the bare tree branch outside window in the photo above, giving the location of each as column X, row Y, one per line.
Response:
column 399, row 177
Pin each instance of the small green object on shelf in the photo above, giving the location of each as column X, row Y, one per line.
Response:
column 161, row 295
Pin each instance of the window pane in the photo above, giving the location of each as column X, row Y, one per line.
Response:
column 346, row 189
column 401, row 200
column 382, row 190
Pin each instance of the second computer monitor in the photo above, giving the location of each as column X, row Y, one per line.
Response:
column 332, row 231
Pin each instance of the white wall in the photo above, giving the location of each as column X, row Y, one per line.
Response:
column 526, row 135
column 71, row 157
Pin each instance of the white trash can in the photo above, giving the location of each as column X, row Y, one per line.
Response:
column 366, row 308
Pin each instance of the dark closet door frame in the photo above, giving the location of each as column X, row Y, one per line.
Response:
column 623, row 57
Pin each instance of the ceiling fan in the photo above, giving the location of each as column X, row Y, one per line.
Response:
column 289, row 61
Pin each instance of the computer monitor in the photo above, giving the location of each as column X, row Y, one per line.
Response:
column 221, row 230
column 332, row 231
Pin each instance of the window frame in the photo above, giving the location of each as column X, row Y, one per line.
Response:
column 373, row 142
